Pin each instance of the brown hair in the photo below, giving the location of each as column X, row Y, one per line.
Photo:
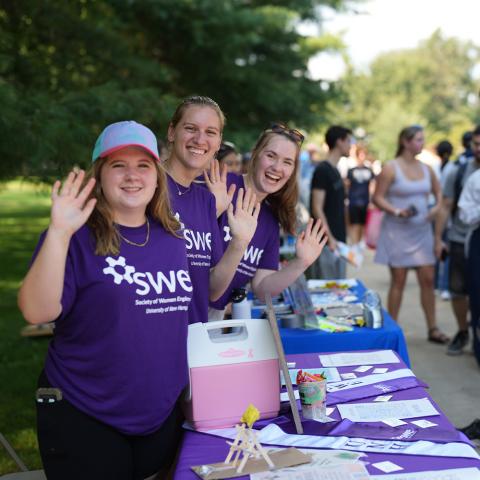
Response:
column 407, row 134
column 107, row 239
column 284, row 201
column 198, row 101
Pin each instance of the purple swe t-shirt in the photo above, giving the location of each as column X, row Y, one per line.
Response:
column 196, row 211
column 262, row 251
column 119, row 352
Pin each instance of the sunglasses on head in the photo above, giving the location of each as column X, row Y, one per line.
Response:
column 291, row 133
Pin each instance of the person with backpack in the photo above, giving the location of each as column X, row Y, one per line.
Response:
column 444, row 150
column 467, row 153
column 469, row 212
column 452, row 188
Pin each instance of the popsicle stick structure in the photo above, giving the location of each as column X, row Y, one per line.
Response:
column 246, row 444
column 283, row 363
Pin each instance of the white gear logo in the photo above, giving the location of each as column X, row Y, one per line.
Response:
column 182, row 225
column 118, row 277
column 227, row 236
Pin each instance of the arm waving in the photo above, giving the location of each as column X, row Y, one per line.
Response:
column 39, row 298
column 310, row 244
column 243, row 223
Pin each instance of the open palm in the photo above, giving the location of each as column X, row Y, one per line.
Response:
column 311, row 242
column 216, row 181
column 243, row 221
column 70, row 207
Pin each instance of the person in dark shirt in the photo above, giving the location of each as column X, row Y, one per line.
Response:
column 359, row 180
column 327, row 202
column 464, row 157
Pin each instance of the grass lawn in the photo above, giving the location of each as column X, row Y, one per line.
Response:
column 24, row 212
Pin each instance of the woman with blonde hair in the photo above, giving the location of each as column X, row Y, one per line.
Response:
column 194, row 136
column 110, row 263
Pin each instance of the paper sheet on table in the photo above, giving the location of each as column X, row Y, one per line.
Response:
column 346, row 471
column 358, row 358
column 387, row 466
column 273, row 435
column 363, row 368
column 328, row 298
column 369, row 380
column 423, row 423
column 331, row 373
column 376, row 412
column 450, row 474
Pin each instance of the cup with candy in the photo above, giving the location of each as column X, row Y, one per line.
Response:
column 313, row 394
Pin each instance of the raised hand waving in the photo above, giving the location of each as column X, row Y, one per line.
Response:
column 216, row 182
column 70, row 205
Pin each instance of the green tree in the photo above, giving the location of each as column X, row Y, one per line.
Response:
column 66, row 69
column 69, row 68
column 432, row 85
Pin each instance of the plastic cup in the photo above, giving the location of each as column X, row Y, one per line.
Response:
column 313, row 396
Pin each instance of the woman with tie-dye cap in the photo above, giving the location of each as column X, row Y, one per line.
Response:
column 111, row 270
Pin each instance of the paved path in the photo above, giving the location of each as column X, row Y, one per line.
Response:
column 454, row 381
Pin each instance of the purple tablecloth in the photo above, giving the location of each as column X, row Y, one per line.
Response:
column 199, row 448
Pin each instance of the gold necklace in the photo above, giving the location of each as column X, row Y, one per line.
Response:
column 180, row 193
column 134, row 243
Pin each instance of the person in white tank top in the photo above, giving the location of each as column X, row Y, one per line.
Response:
column 406, row 236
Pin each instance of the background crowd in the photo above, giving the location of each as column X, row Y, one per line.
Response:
column 422, row 227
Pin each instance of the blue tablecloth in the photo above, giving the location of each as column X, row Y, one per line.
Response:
column 296, row 340
column 390, row 336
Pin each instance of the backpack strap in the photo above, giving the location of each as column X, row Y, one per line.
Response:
column 457, row 186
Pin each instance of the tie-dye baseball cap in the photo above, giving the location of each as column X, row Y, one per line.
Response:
column 125, row 134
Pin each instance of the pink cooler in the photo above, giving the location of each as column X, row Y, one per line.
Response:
column 228, row 371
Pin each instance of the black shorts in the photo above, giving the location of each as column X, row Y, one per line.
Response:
column 357, row 214
column 458, row 269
